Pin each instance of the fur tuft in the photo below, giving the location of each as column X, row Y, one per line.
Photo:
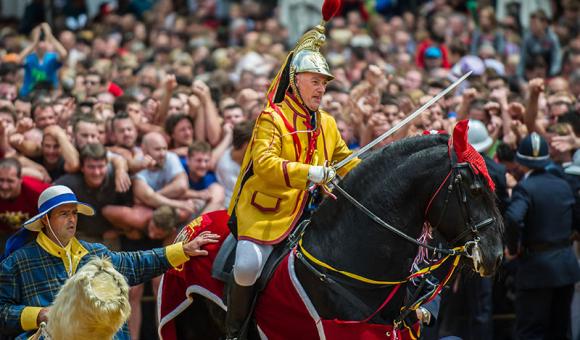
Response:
column 93, row 303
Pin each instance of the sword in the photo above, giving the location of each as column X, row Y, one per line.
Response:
column 401, row 123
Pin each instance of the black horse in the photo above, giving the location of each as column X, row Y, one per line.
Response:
column 404, row 184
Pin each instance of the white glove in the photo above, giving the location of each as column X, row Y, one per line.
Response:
column 321, row 174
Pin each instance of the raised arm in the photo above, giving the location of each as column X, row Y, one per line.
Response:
column 62, row 53
column 225, row 143
column 169, row 85
column 212, row 120
column 536, row 86
column 68, row 151
column 35, row 39
column 122, row 179
column 467, row 97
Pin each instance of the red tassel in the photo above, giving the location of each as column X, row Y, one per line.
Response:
column 466, row 153
column 460, row 138
column 330, row 8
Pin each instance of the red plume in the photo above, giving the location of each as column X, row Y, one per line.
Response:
column 330, row 8
column 466, row 153
column 460, row 138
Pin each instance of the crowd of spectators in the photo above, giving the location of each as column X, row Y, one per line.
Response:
column 145, row 110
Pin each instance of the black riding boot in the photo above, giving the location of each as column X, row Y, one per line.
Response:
column 239, row 305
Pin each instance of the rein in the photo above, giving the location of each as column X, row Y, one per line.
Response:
column 470, row 249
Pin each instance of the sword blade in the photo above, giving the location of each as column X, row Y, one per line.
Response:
column 401, row 123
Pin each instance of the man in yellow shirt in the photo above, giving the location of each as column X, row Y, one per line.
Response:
column 31, row 276
column 292, row 147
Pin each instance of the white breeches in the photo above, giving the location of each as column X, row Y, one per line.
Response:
column 250, row 260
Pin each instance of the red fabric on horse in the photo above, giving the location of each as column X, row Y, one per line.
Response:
column 194, row 275
column 466, row 153
column 283, row 310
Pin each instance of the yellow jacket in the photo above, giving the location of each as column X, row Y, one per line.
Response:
column 271, row 190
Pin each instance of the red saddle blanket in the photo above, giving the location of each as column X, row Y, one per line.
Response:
column 283, row 311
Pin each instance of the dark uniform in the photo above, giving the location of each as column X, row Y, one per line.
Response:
column 541, row 218
column 497, row 172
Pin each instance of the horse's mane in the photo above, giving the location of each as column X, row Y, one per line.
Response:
column 392, row 156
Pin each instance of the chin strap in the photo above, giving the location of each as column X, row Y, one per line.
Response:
column 67, row 253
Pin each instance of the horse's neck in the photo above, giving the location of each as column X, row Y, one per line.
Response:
column 343, row 235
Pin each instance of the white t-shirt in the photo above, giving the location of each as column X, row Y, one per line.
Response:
column 159, row 178
column 227, row 171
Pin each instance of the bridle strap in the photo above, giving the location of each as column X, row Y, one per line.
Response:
column 387, row 226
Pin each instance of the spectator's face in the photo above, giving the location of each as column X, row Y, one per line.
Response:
column 6, row 120
column 485, row 20
column 413, row 80
column 234, row 115
column 44, row 117
column 175, row 106
column 183, row 133
column 537, row 26
column 8, row 91
column 92, row 84
column 391, row 112
column 495, row 84
column 94, row 172
column 345, row 130
column 43, row 46
column 558, row 105
column 261, row 84
column 22, row 109
column 125, row 133
column 198, row 163
column 433, row 63
column 102, row 133
column 148, row 77
column 135, row 112
column 311, row 87
column 50, row 149
column 479, row 114
column 63, row 222
column 86, row 133
column 157, row 149
column 10, row 183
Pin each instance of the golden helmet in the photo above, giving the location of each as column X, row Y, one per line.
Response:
column 310, row 61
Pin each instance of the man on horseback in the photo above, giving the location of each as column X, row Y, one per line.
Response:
column 292, row 147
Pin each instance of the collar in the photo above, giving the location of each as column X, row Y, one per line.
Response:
column 528, row 173
column 73, row 251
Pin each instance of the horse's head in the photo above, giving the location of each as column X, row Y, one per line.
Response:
column 463, row 207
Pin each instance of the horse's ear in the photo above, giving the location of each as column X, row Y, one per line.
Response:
column 460, row 141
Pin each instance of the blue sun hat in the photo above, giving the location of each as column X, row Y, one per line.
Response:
column 51, row 198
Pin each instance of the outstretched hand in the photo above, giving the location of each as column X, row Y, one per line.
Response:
column 193, row 248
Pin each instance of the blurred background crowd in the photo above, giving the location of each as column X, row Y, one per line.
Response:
column 144, row 108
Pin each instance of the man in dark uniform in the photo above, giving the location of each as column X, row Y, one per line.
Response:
column 540, row 219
